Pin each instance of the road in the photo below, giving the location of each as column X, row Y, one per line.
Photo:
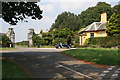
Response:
column 49, row 63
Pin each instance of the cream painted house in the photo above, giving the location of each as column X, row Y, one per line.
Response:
column 96, row 29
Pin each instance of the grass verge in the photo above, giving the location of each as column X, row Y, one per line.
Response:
column 7, row 48
column 47, row 46
column 12, row 70
column 41, row 46
column 98, row 56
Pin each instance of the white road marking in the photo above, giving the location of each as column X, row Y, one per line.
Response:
column 74, row 71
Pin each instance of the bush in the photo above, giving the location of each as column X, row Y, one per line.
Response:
column 106, row 42
column 5, row 41
column 22, row 43
column 77, row 45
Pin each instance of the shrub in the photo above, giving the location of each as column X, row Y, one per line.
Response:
column 22, row 43
column 106, row 42
column 5, row 41
column 77, row 45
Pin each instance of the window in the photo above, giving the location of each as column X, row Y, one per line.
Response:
column 100, row 34
column 91, row 35
column 84, row 33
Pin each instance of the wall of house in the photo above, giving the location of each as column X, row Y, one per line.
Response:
column 101, row 34
column 96, row 34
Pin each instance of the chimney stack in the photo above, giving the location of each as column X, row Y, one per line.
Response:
column 104, row 17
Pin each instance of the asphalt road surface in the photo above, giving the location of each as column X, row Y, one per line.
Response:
column 49, row 63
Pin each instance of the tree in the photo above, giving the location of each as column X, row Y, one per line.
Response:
column 63, row 36
column 13, row 12
column 41, row 31
column 48, row 38
column 92, row 14
column 65, row 20
column 37, row 40
column 117, row 8
column 113, row 27
column 5, row 40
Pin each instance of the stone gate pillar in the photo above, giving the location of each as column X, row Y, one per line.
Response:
column 30, row 34
column 11, row 35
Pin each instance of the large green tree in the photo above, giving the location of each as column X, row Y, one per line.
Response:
column 92, row 14
column 62, row 36
column 37, row 40
column 113, row 26
column 47, row 37
column 117, row 8
column 65, row 20
column 13, row 12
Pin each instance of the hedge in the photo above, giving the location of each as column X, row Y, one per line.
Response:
column 106, row 42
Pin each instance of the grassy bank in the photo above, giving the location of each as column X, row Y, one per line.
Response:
column 12, row 70
column 98, row 56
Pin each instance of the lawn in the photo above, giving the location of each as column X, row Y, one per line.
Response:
column 98, row 56
column 12, row 70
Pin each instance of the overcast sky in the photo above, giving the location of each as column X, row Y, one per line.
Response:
column 51, row 8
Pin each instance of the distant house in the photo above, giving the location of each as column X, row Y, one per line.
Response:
column 96, row 29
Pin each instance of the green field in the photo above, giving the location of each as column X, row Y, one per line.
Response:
column 12, row 70
column 98, row 56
